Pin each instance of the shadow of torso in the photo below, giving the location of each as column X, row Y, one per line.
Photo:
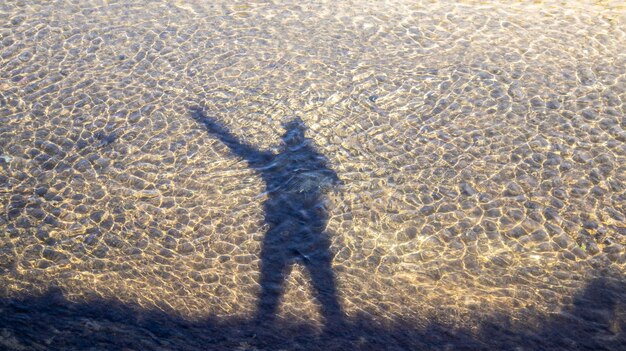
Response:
column 296, row 183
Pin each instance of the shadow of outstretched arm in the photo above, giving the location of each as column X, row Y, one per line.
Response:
column 240, row 149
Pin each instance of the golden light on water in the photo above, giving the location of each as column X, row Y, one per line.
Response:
column 481, row 148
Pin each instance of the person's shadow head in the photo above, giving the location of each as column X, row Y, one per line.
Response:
column 294, row 132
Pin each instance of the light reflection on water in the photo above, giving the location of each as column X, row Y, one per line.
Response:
column 481, row 148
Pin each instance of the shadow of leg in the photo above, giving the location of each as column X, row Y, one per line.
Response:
column 274, row 264
column 323, row 278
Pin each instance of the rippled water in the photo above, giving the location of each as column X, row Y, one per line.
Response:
column 480, row 149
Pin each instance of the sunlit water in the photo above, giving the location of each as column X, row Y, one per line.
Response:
column 480, row 147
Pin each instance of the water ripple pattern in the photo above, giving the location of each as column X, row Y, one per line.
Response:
column 481, row 148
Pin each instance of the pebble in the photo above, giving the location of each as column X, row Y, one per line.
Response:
column 91, row 239
column 427, row 210
column 536, row 102
column 553, row 105
column 466, row 189
column 561, row 240
column 82, row 165
column 37, row 213
column 97, row 216
column 53, row 255
column 590, row 114
column 539, row 236
column 586, row 76
column 105, row 139
column 551, row 213
column 517, row 232
column 581, row 156
column 513, row 189
column 407, row 235
column 100, row 251
column 52, row 149
column 17, row 20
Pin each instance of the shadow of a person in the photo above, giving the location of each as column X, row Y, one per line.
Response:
column 296, row 179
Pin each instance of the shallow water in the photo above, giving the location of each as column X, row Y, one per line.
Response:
column 480, row 147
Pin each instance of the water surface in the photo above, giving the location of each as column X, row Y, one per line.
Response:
column 480, row 147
